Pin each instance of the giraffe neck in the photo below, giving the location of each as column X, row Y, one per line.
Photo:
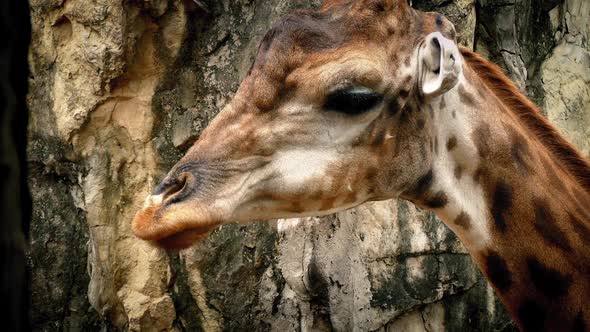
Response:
column 523, row 218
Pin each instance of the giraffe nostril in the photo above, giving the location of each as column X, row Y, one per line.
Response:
column 176, row 189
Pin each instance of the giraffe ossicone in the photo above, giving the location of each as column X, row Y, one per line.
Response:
column 371, row 100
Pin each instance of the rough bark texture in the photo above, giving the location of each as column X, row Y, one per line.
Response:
column 120, row 89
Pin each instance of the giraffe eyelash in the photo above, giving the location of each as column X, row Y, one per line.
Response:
column 355, row 100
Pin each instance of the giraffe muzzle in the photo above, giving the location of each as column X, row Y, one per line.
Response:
column 169, row 218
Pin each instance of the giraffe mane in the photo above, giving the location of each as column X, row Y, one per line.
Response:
column 530, row 115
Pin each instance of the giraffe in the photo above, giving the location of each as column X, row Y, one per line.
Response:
column 371, row 100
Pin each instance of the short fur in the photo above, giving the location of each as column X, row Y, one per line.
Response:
column 507, row 92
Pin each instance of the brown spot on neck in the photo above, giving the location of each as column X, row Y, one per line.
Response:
column 547, row 227
column 520, row 152
column 451, row 143
column 501, row 204
column 458, row 172
column 532, row 315
column 463, row 220
column 548, row 281
column 481, row 137
column 497, row 271
column 480, row 174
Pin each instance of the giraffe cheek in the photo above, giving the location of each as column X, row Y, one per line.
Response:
column 304, row 168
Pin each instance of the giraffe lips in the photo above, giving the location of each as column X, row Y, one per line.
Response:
column 169, row 228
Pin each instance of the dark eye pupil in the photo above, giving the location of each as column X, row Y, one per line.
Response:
column 352, row 101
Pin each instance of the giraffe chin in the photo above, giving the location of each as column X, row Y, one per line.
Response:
column 183, row 239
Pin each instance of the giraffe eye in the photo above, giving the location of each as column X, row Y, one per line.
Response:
column 352, row 101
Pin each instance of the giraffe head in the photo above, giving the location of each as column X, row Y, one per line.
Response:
column 325, row 120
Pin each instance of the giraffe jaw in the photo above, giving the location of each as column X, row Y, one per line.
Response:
column 181, row 225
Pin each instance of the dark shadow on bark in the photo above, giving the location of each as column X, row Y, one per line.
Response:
column 15, row 202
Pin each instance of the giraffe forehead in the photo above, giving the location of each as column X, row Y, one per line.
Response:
column 342, row 67
column 318, row 50
column 304, row 34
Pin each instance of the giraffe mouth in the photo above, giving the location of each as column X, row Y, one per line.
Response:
column 170, row 226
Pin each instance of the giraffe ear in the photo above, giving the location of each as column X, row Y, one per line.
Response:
column 439, row 65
